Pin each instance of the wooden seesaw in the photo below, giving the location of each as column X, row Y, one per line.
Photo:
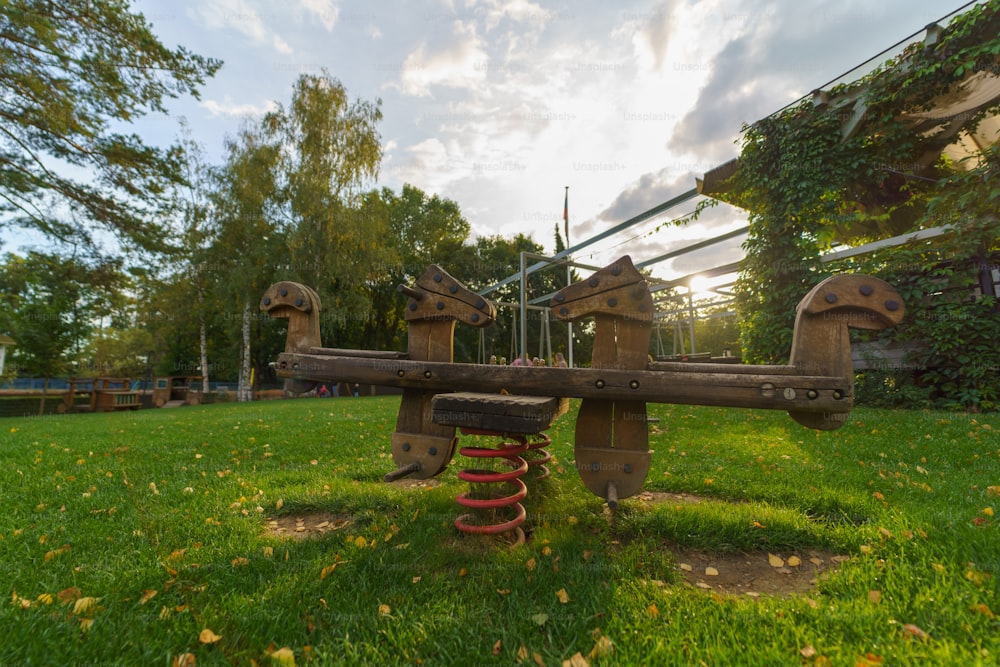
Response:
column 612, row 452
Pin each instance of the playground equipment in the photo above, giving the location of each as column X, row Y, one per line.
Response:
column 176, row 390
column 106, row 395
column 612, row 454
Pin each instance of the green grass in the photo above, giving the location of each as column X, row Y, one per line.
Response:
column 115, row 506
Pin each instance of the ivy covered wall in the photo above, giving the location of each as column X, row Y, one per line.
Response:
column 866, row 161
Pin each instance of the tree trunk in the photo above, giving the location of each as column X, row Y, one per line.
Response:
column 244, row 392
column 202, row 339
column 41, row 404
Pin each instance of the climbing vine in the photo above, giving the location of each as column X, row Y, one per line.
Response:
column 863, row 162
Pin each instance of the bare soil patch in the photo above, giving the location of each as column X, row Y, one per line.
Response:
column 310, row 524
column 751, row 574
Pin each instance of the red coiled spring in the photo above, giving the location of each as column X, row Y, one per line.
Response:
column 490, row 502
column 539, row 456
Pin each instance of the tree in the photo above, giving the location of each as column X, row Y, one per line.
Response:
column 71, row 73
column 248, row 243
column 48, row 303
column 330, row 149
column 420, row 230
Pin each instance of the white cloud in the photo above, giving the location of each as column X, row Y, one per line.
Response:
column 240, row 16
column 324, row 10
column 460, row 65
column 231, row 110
column 519, row 11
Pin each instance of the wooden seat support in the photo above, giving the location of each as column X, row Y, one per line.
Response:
column 612, row 436
column 422, row 448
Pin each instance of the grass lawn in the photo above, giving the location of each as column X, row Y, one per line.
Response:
column 147, row 538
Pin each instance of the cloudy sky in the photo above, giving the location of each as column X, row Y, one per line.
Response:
column 500, row 104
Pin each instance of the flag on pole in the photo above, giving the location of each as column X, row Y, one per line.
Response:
column 566, row 216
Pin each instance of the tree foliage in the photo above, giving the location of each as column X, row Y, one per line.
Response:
column 809, row 181
column 72, row 75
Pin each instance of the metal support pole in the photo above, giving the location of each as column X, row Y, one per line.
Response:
column 691, row 317
column 524, row 308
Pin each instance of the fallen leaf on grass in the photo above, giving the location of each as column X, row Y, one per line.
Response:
column 775, row 561
column 84, row 605
column 686, row 567
column 325, row 572
column 577, row 660
column 240, row 561
column 183, row 660
column 602, row 649
column 794, row 561
column 653, row 610
column 808, row 651
column 384, row 610
column 522, row 654
column 85, row 624
column 982, row 609
column 496, row 647
column 540, row 619
column 147, row 595
column 875, row 596
column 530, row 565
column 562, row 595
column 915, row 631
column 206, row 636
column 283, row 656
column 49, row 555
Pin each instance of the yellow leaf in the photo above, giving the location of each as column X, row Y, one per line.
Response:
column 46, row 598
column 538, row 659
column 208, row 637
column 577, row 660
column 808, row 651
column 268, row 552
column 988, row 511
column 84, row 605
column 875, row 596
column 496, row 647
column 279, row 504
column 562, row 595
column 711, row 572
column 775, row 561
column 522, row 654
column 284, row 656
column 794, row 561
column 546, row 550
column 653, row 610
column 238, row 562
column 327, row 570
column 85, row 624
column 384, row 610
column 602, row 649
column 147, row 595
column 530, row 565
column 993, row 490
column 416, row 580
column 360, row 542
column 183, row 660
